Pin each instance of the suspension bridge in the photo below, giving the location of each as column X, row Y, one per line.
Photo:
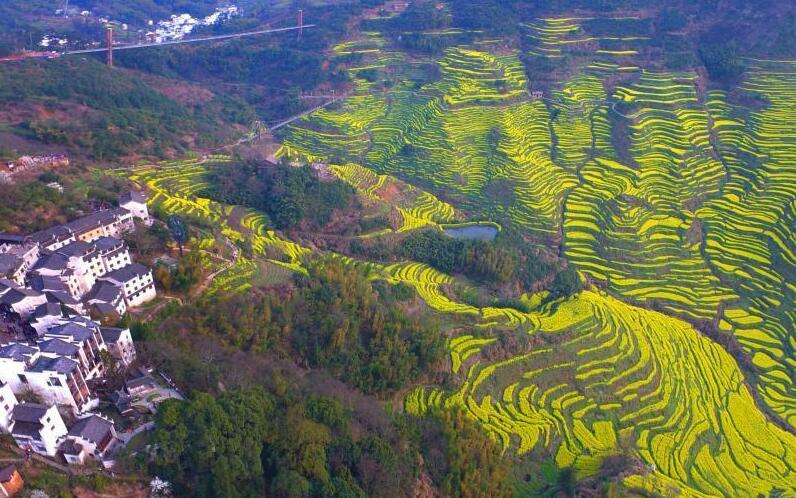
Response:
column 110, row 47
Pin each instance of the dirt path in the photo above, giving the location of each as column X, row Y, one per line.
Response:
column 228, row 264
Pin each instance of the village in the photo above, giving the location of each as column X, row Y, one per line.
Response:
column 59, row 290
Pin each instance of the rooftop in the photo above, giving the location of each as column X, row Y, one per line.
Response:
column 11, row 238
column 77, row 249
column 111, row 334
column 52, row 234
column 53, row 261
column 58, row 364
column 29, row 412
column 71, row 329
column 9, row 263
column 16, row 351
column 48, row 309
column 7, row 473
column 15, row 296
column 58, row 346
column 47, row 283
column 132, row 196
column 93, row 428
column 108, row 244
column 129, row 272
column 104, row 292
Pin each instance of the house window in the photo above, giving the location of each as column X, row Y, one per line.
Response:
column 54, row 381
column 23, row 378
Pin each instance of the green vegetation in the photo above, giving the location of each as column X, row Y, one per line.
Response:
column 655, row 187
column 722, row 62
column 250, row 441
column 629, row 329
column 29, row 206
column 334, row 319
column 287, row 195
column 110, row 113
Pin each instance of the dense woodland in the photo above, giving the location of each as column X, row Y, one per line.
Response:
column 286, row 194
column 259, row 443
column 266, row 432
column 335, row 318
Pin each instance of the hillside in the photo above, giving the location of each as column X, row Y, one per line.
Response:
column 538, row 249
column 658, row 184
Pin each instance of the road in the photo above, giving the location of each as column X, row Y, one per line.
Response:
column 306, row 113
column 192, row 40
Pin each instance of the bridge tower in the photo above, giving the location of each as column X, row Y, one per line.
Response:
column 109, row 44
column 301, row 22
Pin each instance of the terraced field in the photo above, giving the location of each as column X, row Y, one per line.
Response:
column 417, row 208
column 174, row 187
column 614, row 375
column 663, row 194
column 693, row 213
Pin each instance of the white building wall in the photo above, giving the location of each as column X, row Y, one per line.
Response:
column 43, row 384
column 118, row 260
column 123, row 349
column 7, row 403
column 139, row 210
column 52, row 433
column 9, row 374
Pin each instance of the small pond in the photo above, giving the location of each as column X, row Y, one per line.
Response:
column 480, row 232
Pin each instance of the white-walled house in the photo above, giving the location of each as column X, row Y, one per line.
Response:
column 8, row 401
column 114, row 253
column 136, row 283
column 38, row 427
column 46, row 316
column 106, row 299
column 92, row 436
column 86, row 335
column 59, row 381
column 15, row 358
column 16, row 260
column 119, row 343
column 135, row 202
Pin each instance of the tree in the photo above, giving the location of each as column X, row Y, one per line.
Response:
column 722, row 61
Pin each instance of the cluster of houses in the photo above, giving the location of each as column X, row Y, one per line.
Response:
column 83, row 265
column 25, row 163
column 50, row 283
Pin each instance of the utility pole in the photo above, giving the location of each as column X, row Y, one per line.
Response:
column 301, row 22
column 109, row 43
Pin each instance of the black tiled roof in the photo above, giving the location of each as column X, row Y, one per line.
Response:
column 16, row 351
column 127, row 273
column 111, row 334
column 105, row 292
column 7, row 473
column 58, row 346
column 53, row 261
column 29, row 412
column 77, row 249
column 48, row 309
column 58, row 364
column 16, row 295
column 108, row 244
column 93, row 428
column 71, row 329
column 132, row 195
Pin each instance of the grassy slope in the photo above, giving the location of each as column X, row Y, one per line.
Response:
column 83, row 106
